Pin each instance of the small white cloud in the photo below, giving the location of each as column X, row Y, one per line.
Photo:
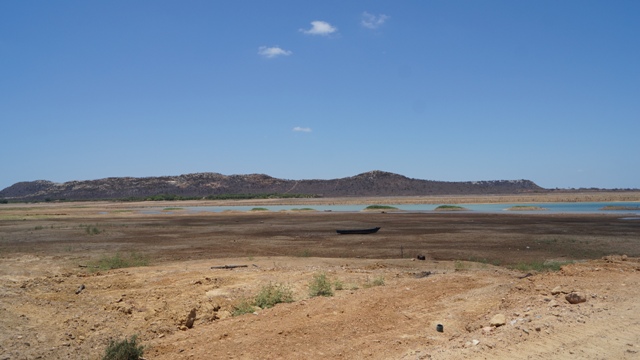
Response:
column 271, row 52
column 371, row 21
column 301, row 129
column 320, row 28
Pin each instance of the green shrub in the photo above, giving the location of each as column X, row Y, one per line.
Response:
column 92, row 230
column 540, row 266
column 243, row 307
column 338, row 285
column 381, row 207
column 379, row 281
column 320, row 286
column 124, row 350
column 117, row 261
column 450, row 208
column 273, row 294
column 259, row 209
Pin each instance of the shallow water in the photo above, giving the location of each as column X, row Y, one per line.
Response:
column 561, row 207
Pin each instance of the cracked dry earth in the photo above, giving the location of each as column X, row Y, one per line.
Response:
column 42, row 317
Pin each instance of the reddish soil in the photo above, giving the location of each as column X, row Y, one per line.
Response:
column 458, row 286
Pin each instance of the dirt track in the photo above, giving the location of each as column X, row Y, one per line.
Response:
column 42, row 246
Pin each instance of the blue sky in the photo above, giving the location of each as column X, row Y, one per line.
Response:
column 441, row 90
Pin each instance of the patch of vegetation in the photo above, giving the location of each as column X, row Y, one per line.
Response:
column 380, row 207
column 320, row 286
column 259, row 209
column 338, row 285
column 616, row 208
column 39, row 227
column 92, row 230
column 124, row 350
column 268, row 296
column 245, row 306
column 302, row 209
column 450, row 208
column 526, row 208
column 378, row 281
column 540, row 266
column 272, row 294
column 305, row 253
column 172, row 208
column 118, row 261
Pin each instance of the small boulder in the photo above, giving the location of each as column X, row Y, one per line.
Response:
column 498, row 320
column 556, row 290
column 576, row 298
column 190, row 319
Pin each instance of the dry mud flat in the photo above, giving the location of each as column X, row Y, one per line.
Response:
column 41, row 316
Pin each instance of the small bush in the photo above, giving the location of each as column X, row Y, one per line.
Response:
column 540, row 266
column 320, row 286
column 124, row 350
column 273, row 294
column 379, row 281
column 338, row 285
column 92, row 230
column 243, row 307
column 117, row 261
column 381, row 207
column 259, row 209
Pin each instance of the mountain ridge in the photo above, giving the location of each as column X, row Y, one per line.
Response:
column 371, row 183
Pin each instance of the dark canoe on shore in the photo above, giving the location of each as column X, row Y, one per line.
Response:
column 358, row 231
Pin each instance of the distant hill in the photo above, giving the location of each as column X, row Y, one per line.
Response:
column 372, row 183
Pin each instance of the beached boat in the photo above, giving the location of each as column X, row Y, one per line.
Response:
column 358, row 231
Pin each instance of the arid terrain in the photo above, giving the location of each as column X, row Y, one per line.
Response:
column 479, row 267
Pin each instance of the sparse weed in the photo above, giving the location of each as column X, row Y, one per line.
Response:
column 540, row 266
column 378, row 281
column 124, row 350
column 243, row 307
column 272, row 294
column 117, row 261
column 320, row 286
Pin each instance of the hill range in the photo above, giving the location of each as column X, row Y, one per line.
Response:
column 372, row 183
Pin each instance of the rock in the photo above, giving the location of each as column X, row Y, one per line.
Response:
column 190, row 318
column 475, row 342
column 487, row 329
column 498, row 320
column 556, row 290
column 553, row 303
column 80, row 288
column 576, row 298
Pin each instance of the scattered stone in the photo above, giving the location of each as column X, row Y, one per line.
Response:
column 556, row 290
column 487, row 329
column 498, row 320
column 190, row 318
column 575, row 298
column 421, row 257
column 80, row 288
column 475, row 342
column 553, row 303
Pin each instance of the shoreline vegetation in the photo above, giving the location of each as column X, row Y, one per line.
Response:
column 617, row 208
column 526, row 208
column 450, row 208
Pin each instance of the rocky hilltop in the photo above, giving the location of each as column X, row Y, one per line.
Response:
column 373, row 183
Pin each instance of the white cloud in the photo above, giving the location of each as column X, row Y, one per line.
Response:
column 271, row 52
column 320, row 28
column 301, row 129
column 372, row 21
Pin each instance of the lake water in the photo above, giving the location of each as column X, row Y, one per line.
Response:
column 562, row 207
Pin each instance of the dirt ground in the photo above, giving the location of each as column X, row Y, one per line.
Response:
column 477, row 266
